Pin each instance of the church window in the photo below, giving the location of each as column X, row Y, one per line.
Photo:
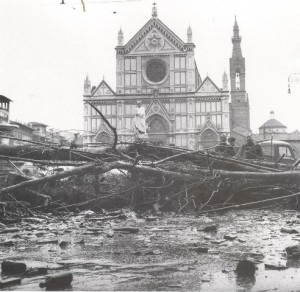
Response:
column 86, row 125
column 218, row 106
column 94, row 125
column 103, row 110
column 98, row 123
column 177, row 89
column 133, row 79
column 181, row 140
column 128, row 123
column 207, row 107
column 156, row 70
column 237, row 81
column 179, row 62
column 213, row 106
column 179, row 78
column 198, row 107
column 182, row 62
column 180, row 122
column 113, row 109
column 127, row 79
column 108, row 112
column 133, row 64
column 130, row 79
column 127, row 64
column 127, row 109
column 113, row 122
column 130, row 64
column 189, row 62
column 181, row 107
column 119, row 79
column 119, row 123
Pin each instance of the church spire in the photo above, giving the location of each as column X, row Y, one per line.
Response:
column 236, row 40
column 225, row 81
column 87, row 86
column 120, row 38
column 154, row 10
column 189, row 35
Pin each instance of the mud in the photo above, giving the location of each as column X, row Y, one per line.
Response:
column 170, row 253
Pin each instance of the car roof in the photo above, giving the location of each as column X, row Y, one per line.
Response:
column 274, row 142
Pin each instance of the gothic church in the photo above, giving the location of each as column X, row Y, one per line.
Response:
column 157, row 68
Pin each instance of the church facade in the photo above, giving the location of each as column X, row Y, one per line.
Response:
column 157, row 68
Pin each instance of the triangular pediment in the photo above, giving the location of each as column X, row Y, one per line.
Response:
column 156, row 108
column 103, row 89
column 154, row 37
column 154, row 42
column 208, row 124
column 208, row 87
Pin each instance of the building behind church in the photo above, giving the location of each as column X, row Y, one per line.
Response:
column 157, row 68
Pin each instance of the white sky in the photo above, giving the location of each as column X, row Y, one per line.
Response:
column 46, row 50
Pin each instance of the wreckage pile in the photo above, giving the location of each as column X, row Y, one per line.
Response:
column 140, row 176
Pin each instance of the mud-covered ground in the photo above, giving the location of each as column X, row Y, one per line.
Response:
column 165, row 254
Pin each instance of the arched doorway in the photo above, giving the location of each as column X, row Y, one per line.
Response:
column 158, row 129
column 208, row 138
column 104, row 138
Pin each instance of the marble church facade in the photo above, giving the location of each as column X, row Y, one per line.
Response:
column 157, row 68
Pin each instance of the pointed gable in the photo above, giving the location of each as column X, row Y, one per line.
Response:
column 103, row 89
column 208, row 87
column 208, row 124
column 157, row 108
column 154, row 36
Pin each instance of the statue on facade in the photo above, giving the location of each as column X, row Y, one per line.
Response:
column 140, row 121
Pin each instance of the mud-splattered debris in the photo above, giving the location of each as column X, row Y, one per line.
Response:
column 200, row 249
column 10, row 267
column 64, row 244
column 218, row 241
column 275, row 267
column 127, row 229
column 230, row 236
column 289, row 230
column 10, row 230
column 9, row 282
column 245, row 268
column 210, row 228
column 48, row 241
column 293, row 251
column 57, row 281
column 33, row 272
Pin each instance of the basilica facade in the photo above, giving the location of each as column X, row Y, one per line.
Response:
column 157, row 68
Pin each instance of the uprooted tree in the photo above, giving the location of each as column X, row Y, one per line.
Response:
column 141, row 176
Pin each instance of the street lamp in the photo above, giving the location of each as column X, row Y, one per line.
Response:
column 289, row 84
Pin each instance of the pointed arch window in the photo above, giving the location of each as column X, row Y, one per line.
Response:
column 237, row 81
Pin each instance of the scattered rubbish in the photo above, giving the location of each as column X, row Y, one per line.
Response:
column 10, row 267
column 289, row 230
column 200, row 249
column 9, row 282
column 275, row 267
column 245, row 268
column 230, row 236
column 57, row 281
column 293, row 251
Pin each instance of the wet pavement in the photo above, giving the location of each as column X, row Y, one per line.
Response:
column 171, row 253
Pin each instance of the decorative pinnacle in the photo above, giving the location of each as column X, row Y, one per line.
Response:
column 154, row 10
column 189, row 34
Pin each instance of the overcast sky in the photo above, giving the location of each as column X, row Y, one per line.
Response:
column 47, row 49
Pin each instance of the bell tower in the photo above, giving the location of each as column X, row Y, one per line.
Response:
column 239, row 106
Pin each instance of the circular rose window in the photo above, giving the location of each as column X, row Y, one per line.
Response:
column 156, row 71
